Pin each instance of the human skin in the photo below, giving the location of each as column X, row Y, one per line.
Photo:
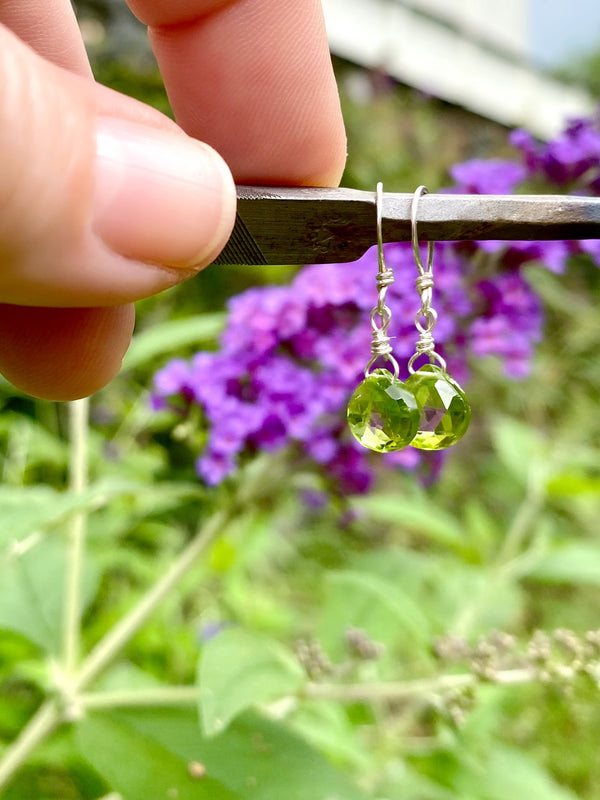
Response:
column 104, row 201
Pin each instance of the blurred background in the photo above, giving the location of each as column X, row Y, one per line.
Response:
column 464, row 597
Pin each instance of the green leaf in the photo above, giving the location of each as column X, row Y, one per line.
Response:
column 517, row 446
column 471, row 601
column 374, row 604
column 239, row 669
column 126, row 676
column 30, row 509
column 415, row 513
column 573, row 563
column 412, row 785
column 35, row 443
column 32, row 592
column 574, row 484
column 327, row 726
column 139, row 766
column 513, row 774
column 171, row 336
column 255, row 759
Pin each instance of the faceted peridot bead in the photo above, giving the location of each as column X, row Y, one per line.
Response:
column 382, row 414
column 443, row 406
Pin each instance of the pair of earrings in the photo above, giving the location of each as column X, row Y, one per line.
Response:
column 429, row 410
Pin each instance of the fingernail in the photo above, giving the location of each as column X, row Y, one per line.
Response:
column 159, row 196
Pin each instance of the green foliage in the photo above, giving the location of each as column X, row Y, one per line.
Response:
column 254, row 760
column 151, row 769
column 32, row 593
column 171, row 336
column 309, row 639
column 239, row 670
column 326, row 621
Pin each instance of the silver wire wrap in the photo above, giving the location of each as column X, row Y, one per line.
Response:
column 380, row 341
column 426, row 316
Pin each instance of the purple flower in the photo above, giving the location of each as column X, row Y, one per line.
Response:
column 511, row 323
column 233, row 422
column 592, row 248
column 290, row 357
column 213, row 467
column 259, row 317
column 271, row 435
column 565, row 159
column 349, row 470
column 336, row 285
column 554, row 255
column 488, row 176
column 571, row 155
column 322, row 446
column 172, row 379
column 523, row 140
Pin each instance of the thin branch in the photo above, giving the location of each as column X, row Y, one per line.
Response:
column 49, row 716
column 407, row 690
column 526, row 515
column 39, row 727
column 114, row 641
column 136, row 698
column 78, row 429
column 510, row 550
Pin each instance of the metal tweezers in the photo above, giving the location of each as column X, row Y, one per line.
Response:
column 290, row 225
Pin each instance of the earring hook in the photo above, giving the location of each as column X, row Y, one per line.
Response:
column 379, row 212
column 380, row 341
column 419, row 192
column 424, row 283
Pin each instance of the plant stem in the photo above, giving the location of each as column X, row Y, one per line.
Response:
column 526, row 515
column 510, row 550
column 112, row 643
column 78, row 479
column 406, row 690
column 159, row 696
column 49, row 716
column 41, row 725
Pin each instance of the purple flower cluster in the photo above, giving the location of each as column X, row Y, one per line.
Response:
column 291, row 356
column 569, row 161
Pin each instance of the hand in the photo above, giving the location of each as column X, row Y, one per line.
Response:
column 104, row 201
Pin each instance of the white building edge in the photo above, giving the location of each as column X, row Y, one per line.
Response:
column 479, row 54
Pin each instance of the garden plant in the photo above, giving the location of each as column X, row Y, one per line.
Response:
column 208, row 590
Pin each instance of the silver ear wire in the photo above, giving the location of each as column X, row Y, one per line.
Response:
column 380, row 341
column 425, row 343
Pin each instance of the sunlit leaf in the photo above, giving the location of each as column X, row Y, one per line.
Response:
column 510, row 773
column 374, row 604
column 415, row 513
column 255, row 759
column 518, row 446
column 140, row 766
column 170, row 337
column 30, row 509
column 32, row 591
column 27, row 509
column 574, row 563
column 325, row 724
column 238, row 670
column 574, row 484
column 35, row 443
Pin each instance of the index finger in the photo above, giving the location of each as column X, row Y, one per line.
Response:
column 252, row 78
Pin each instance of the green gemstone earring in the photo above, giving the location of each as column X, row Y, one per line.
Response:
column 444, row 411
column 382, row 413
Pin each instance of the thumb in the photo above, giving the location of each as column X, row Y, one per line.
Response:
column 98, row 208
